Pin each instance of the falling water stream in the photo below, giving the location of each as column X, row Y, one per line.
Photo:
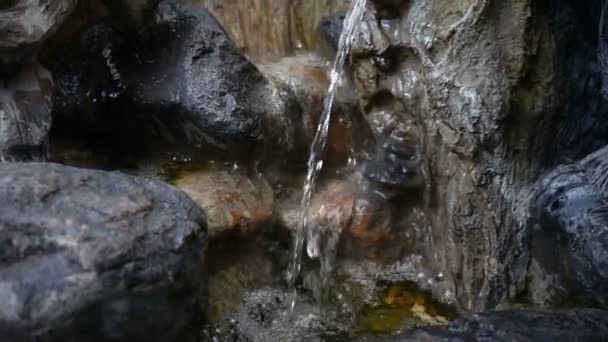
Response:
column 315, row 162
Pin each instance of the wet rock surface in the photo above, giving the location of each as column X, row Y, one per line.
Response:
column 569, row 209
column 235, row 203
column 97, row 256
column 179, row 82
column 578, row 325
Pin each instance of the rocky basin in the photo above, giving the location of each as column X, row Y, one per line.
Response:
column 153, row 161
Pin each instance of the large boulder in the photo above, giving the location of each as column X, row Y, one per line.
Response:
column 570, row 242
column 522, row 326
column 96, row 256
column 178, row 81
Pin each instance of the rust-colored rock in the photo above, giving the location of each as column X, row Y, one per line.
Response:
column 235, row 203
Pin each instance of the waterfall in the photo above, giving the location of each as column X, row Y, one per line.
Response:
column 315, row 163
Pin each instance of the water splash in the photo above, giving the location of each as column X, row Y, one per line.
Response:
column 315, row 164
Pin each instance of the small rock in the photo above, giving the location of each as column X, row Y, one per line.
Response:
column 234, row 202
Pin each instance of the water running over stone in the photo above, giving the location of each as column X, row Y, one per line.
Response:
column 315, row 163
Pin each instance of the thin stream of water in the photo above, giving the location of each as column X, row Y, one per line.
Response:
column 315, row 163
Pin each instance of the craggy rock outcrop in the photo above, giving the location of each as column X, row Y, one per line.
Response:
column 463, row 94
column 521, row 326
column 571, row 240
column 177, row 81
column 96, row 256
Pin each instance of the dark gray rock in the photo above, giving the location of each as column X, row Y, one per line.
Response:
column 24, row 24
column 570, row 209
column 522, row 326
column 96, row 256
column 25, row 115
column 393, row 167
column 179, row 82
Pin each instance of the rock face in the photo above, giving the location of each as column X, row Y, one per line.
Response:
column 462, row 95
column 580, row 325
column 570, row 209
column 178, row 81
column 96, row 256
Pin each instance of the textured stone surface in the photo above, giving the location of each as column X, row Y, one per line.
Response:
column 96, row 256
